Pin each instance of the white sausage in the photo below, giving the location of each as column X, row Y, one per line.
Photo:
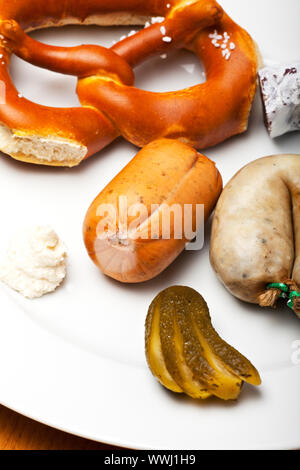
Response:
column 256, row 228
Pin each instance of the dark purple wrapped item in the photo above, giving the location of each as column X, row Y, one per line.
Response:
column 280, row 89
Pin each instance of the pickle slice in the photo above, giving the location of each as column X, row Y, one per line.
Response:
column 225, row 355
column 221, row 383
column 174, row 354
column 154, row 355
column 186, row 354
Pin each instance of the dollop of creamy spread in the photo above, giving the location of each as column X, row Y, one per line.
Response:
column 35, row 262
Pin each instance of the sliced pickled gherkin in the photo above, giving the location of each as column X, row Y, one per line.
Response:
column 154, row 350
column 173, row 352
column 186, row 354
column 230, row 358
column 220, row 382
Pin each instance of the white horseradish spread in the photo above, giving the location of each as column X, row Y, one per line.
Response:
column 35, row 262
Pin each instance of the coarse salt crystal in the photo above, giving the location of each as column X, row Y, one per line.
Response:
column 167, row 39
column 224, row 46
column 163, row 30
column 213, row 35
column 157, row 19
column 226, row 54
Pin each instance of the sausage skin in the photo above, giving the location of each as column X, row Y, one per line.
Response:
column 163, row 173
column 256, row 227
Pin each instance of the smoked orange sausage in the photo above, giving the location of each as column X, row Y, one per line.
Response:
column 163, row 180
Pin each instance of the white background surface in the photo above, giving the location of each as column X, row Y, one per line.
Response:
column 75, row 359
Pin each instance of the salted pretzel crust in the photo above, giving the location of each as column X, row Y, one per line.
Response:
column 202, row 116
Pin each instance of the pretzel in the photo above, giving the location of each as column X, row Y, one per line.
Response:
column 202, row 115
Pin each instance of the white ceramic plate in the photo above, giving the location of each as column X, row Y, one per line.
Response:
column 75, row 359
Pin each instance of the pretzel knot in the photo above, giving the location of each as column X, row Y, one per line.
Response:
column 202, row 115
